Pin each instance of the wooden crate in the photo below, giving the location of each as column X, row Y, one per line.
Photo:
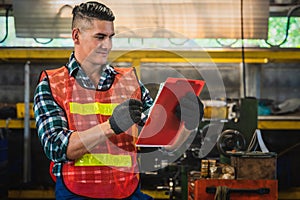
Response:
column 204, row 189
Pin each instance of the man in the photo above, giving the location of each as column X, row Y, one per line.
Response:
column 87, row 114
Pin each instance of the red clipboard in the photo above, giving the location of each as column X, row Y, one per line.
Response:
column 162, row 125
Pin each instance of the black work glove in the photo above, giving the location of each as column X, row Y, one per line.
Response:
column 125, row 115
column 190, row 110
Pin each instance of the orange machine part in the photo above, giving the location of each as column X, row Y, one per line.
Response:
column 198, row 189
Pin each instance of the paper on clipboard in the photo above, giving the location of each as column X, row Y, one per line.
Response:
column 162, row 125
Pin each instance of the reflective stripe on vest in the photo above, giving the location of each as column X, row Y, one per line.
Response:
column 104, row 160
column 92, row 108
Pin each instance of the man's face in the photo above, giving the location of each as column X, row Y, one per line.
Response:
column 95, row 42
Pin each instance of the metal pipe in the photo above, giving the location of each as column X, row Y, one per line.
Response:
column 27, row 138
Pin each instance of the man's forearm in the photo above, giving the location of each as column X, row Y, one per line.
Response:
column 83, row 142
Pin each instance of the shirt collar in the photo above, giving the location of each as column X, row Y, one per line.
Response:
column 73, row 67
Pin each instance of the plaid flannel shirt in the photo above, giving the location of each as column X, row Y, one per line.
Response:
column 51, row 122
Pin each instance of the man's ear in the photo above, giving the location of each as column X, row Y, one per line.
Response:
column 75, row 35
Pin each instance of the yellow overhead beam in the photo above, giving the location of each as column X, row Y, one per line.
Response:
column 205, row 55
column 33, row 53
column 204, row 60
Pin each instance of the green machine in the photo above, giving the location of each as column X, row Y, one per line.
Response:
column 232, row 133
column 238, row 132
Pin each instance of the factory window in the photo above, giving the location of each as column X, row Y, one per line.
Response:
column 276, row 35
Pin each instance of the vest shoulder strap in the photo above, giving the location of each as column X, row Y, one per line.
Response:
column 49, row 72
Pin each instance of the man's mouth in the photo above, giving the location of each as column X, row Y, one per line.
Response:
column 103, row 53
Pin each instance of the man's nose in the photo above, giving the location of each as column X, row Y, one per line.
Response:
column 106, row 43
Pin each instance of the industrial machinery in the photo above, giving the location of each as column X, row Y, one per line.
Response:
column 214, row 137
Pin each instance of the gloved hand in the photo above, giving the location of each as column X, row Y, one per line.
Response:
column 190, row 110
column 125, row 115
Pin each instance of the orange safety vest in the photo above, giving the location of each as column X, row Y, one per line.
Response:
column 111, row 169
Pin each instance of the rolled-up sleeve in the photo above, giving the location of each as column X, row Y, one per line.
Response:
column 51, row 123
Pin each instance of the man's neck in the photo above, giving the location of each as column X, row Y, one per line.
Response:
column 94, row 73
column 92, row 70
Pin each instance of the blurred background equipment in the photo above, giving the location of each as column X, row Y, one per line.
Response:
column 248, row 53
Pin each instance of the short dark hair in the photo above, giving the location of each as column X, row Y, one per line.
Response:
column 91, row 10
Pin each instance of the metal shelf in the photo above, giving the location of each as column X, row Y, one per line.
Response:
column 263, row 123
column 15, row 123
column 50, row 194
column 279, row 122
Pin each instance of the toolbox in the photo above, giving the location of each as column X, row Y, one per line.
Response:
column 254, row 165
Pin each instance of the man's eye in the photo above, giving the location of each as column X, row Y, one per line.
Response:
column 99, row 37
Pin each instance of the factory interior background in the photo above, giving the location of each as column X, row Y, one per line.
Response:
column 249, row 59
